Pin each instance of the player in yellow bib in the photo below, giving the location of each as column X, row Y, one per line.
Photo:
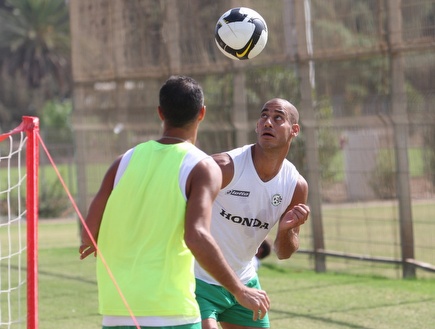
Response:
column 151, row 217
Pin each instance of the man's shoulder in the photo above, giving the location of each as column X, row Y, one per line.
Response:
column 240, row 150
column 228, row 156
column 222, row 159
column 195, row 151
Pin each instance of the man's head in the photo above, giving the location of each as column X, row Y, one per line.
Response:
column 180, row 100
column 278, row 123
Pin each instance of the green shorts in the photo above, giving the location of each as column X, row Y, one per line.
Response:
column 218, row 303
column 184, row 326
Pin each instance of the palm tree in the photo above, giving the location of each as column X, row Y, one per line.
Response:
column 34, row 57
column 35, row 41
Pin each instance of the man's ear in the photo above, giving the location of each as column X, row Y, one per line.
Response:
column 160, row 112
column 295, row 129
column 201, row 114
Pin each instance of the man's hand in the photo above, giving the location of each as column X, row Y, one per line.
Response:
column 295, row 217
column 287, row 238
column 85, row 250
column 255, row 300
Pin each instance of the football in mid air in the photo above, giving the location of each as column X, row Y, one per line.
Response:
column 241, row 33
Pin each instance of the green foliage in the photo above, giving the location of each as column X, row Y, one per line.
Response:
column 327, row 143
column 34, row 38
column 218, row 93
column 429, row 152
column 356, row 25
column 56, row 121
column 416, row 107
column 275, row 81
column 53, row 201
column 383, row 176
column 10, row 204
column 34, row 57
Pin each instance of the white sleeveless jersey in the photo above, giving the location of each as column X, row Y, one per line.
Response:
column 245, row 211
column 192, row 158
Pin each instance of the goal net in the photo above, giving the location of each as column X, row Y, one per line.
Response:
column 19, row 160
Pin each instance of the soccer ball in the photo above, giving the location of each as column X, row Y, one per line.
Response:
column 241, row 33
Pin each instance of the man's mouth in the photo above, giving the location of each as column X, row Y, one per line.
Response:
column 267, row 134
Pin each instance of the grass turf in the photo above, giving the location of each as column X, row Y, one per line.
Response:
column 300, row 298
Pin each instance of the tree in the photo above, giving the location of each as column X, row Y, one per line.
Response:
column 35, row 47
column 34, row 39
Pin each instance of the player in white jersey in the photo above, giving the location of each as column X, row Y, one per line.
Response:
column 151, row 216
column 260, row 189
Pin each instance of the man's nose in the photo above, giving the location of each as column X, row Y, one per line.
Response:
column 268, row 122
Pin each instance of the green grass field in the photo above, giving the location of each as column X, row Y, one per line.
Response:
column 300, row 298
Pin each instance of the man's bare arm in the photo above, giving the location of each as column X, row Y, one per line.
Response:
column 96, row 210
column 287, row 238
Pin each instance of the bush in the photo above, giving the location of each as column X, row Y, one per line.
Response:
column 383, row 177
column 52, row 199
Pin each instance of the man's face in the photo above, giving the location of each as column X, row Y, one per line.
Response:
column 274, row 127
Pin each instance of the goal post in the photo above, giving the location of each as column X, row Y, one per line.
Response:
column 19, row 165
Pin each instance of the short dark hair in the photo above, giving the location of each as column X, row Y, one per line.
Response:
column 181, row 98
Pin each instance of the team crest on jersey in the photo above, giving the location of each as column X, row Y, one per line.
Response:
column 276, row 200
